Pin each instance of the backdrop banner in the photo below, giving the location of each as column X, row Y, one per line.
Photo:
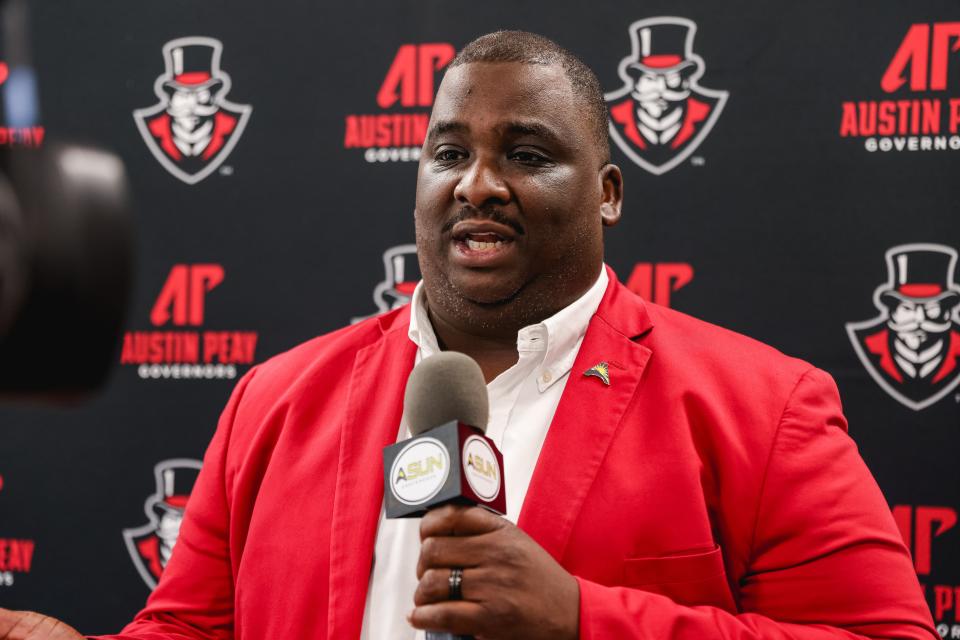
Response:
column 792, row 173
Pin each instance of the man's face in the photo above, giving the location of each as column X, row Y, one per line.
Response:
column 511, row 197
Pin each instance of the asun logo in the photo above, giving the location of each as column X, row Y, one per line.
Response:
column 179, row 352
column 480, row 468
column 916, row 116
column 912, row 349
column 420, row 471
column 395, row 135
column 662, row 114
column 151, row 545
column 193, row 128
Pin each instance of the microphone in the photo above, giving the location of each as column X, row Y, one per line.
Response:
column 449, row 459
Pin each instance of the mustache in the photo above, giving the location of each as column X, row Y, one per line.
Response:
column 483, row 213
column 926, row 325
column 666, row 94
column 193, row 110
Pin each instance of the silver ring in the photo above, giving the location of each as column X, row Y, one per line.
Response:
column 456, row 580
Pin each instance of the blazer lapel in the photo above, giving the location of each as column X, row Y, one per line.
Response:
column 587, row 418
column 372, row 418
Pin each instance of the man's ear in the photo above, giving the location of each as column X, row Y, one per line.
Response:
column 611, row 185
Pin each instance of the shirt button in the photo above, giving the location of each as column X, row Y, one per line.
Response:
column 546, row 377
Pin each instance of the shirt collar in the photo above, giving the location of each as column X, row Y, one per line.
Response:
column 558, row 337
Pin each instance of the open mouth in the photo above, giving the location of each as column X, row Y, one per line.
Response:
column 481, row 243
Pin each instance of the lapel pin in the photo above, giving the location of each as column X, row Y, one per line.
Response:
column 600, row 370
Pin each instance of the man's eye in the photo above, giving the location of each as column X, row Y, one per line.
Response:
column 448, row 155
column 528, row 157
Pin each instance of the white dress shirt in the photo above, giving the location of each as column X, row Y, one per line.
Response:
column 523, row 400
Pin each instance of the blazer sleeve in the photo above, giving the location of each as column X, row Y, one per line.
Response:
column 826, row 559
column 194, row 598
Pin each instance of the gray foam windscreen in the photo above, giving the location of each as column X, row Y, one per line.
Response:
column 444, row 387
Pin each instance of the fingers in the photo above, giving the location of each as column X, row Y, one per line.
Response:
column 434, row 586
column 460, row 617
column 19, row 625
column 449, row 552
column 7, row 620
column 27, row 625
column 458, row 520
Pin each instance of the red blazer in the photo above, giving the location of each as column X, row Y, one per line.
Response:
column 709, row 491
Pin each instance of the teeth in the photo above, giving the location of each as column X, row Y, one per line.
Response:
column 483, row 246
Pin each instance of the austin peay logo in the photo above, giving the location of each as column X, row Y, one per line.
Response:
column 916, row 116
column 394, row 135
column 662, row 114
column 657, row 281
column 193, row 128
column 923, row 528
column 912, row 349
column 180, row 352
column 150, row 545
column 16, row 556
column 401, row 275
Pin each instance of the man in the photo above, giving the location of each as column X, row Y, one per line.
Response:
column 701, row 486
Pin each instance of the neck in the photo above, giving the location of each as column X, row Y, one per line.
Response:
column 494, row 353
column 489, row 335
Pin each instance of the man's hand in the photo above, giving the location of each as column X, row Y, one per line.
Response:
column 511, row 587
column 27, row 625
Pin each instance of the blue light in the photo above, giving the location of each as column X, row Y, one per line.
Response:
column 20, row 98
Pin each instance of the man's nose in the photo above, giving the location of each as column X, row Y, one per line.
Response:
column 482, row 183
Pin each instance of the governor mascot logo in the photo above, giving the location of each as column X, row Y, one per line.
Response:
column 662, row 114
column 151, row 545
column 193, row 128
column 401, row 275
column 912, row 348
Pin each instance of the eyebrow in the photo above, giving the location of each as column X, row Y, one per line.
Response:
column 533, row 128
column 446, row 126
column 516, row 128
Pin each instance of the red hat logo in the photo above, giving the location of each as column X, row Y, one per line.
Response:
column 151, row 545
column 662, row 114
column 193, row 128
column 401, row 275
column 912, row 349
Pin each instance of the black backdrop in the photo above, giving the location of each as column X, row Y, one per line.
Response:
column 782, row 214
